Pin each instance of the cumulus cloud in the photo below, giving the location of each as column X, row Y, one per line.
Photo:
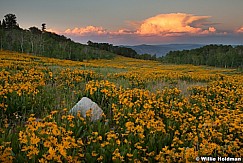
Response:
column 89, row 30
column 240, row 30
column 174, row 24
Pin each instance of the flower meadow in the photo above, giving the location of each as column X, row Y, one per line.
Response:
column 153, row 112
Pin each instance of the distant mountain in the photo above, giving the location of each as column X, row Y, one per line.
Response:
column 162, row 50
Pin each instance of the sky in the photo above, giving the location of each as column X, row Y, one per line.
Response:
column 133, row 22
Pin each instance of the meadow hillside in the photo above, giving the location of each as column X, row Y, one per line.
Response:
column 44, row 43
column 153, row 112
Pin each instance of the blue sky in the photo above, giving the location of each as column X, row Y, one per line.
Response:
column 133, row 22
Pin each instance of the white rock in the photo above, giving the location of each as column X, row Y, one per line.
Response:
column 86, row 104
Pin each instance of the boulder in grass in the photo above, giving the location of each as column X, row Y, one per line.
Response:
column 84, row 105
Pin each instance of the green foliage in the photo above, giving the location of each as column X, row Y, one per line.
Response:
column 147, row 57
column 10, row 21
column 210, row 55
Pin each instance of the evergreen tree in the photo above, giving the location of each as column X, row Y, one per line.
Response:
column 11, row 21
column 43, row 27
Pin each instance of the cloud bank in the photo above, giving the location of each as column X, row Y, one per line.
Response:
column 159, row 28
column 160, row 25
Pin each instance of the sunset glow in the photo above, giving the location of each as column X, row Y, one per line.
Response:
column 135, row 22
column 173, row 24
column 162, row 25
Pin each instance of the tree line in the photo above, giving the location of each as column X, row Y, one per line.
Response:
column 211, row 55
column 121, row 50
column 43, row 43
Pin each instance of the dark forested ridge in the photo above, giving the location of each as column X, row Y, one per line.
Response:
column 41, row 42
column 121, row 50
column 211, row 55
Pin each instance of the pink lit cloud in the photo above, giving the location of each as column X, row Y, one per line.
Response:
column 240, row 30
column 89, row 30
column 174, row 24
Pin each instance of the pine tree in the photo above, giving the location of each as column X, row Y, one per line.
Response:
column 11, row 21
